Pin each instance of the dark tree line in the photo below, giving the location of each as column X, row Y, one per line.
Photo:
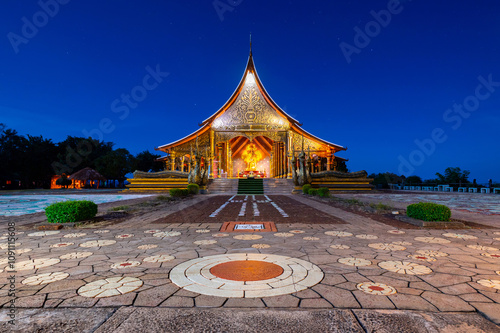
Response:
column 31, row 161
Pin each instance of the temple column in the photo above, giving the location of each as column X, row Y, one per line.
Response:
column 182, row 161
column 212, row 154
column 328, row 160
column 172, row 161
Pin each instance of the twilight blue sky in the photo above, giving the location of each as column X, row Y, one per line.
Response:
column 376, row 95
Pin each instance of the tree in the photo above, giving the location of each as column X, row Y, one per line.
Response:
column 12, row 148
column 413, row 180
column 454, row 176
column 145, row 161
column 384, row 179
column 115, row 164
column 38, row 155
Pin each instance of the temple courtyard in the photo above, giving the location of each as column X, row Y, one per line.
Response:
column 254, row 263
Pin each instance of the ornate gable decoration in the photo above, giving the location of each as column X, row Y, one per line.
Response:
column 250, row 112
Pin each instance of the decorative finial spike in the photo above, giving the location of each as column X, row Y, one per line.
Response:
column 250, row 43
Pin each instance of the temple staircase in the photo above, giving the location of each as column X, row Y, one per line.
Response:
column 223, row 186
column 250, row 186
column 278, row 186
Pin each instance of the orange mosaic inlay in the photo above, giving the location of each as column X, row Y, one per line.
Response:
column 246, row 270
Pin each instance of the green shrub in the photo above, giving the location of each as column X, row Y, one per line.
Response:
column 324, row 192
column 428, row 211
column 71, row 211
column 193, row 188
column 313, row 191
column 178, row 192
column 163, row 198
column 306, row 188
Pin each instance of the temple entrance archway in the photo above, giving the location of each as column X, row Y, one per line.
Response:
column 251, row 157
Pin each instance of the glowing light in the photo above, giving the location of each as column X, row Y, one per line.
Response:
column 249, row 79
column 251, row 155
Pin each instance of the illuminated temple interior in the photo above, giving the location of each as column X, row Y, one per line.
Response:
column 250, row 135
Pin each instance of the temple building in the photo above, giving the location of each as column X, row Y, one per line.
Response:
column 251, row 135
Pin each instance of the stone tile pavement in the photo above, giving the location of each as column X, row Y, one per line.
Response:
column 364, row 265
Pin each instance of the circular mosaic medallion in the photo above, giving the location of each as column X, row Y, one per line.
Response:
column 405, row 267
column 490, row 283
column 311, row 238
column 34, row 264
column 159, row 258
column 432, row 240
column 98, row 243
column 358, row 262
column 75, row 235
column 340, row 247
column 205, row 242
column 402, row 243
column 220, row 235
column 261, row 246
column 147, row 246
column 44, row 233
column 76, row 255
column 154, row 231
column 365, row 236
column 61, row 244
column 167, row 234
column 296, row 231
column 195, row 275
column 387, row 247
column 396, row 232
column 125, row 264
column 376, row 288
column 459, row 236
column 338, row 233
column 45, row 278
column 483, row 248
column 491, row 255
column 247, row 237
column 246, row 270
column 421, row 257
column 432, row 253
column 124, row 236
column 113, row 286
column 101, row 231
column 5, row 246
column 202, row 231
column 283, row 234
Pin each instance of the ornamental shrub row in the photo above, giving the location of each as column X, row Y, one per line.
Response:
column 306, row 188
column 178, row 192
column 428, row 211
column 193, row 188
column 71, row 211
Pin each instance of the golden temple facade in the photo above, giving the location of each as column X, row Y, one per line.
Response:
column 250, row 135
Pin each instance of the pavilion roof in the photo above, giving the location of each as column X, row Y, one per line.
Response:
column 87, row 174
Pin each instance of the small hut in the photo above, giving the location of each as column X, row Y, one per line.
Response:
column 88, row 174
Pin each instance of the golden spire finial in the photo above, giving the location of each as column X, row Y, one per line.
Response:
column 250, row 43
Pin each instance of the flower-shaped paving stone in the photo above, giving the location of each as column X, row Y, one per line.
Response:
column 110, row 287
column 45, row 278
column 340, row 247
column 311, row 238
column 296, row 231
column 34, row 264
column 358, row 262
column 376, row 288
column 44, row 233
column 421, row 257
column 125, row 264
column 101, row 231
column 167, row 234
column 498, row 239
column 432, row 240
column 123, row 236
column 387, row 247
column 338, row 233
column 490, row 283
column 202, row 231
column 396, row 232
column 61, row 244
column 76, row 255
column 205, row 242
column 247, row 237
column 459, row 236
column 153, row 231
column 147, row 246
column 283, row 234
column 365, row 236
column 483, row 248
column 5, row 246
column 220, row 235
column 98, row 243
column 491, row 255
column 402, row 243
column 159, row 258
column 261, row 246
column 405, row 267
column 75, row 235
column 432, row 253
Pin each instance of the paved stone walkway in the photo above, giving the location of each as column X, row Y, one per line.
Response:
column 362, row 264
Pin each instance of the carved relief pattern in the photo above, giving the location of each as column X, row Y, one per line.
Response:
column 225, row 136
column 297, row 143
column 203, row 141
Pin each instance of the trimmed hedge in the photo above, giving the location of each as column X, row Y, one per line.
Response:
column 313, row 191
column 324, row 192
column 428, row 211
column 71, row 211
column 306, row 188
column 193, row 188
column 178, row 192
